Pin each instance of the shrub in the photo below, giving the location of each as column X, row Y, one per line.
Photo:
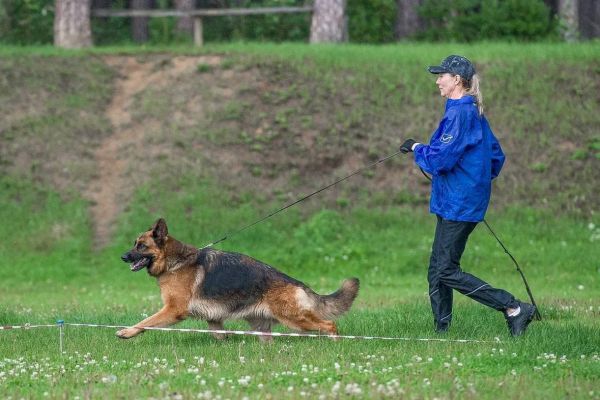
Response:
column 471, row 20
column 26, row 21
column 371, row 21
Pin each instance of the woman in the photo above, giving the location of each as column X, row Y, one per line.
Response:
column 463, row 156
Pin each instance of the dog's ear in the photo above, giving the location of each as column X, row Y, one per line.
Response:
column 160, row 232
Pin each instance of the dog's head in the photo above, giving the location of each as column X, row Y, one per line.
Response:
column 148, row 249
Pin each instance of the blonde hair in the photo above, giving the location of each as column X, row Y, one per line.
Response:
column 472, row 87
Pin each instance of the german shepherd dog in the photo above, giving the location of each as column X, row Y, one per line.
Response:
column 216, row 285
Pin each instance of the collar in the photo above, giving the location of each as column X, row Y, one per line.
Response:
column 467, row 99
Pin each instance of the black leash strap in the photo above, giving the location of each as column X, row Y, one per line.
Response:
column 302, row 199
column 538, row 316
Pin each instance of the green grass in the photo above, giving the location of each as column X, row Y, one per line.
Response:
column 50, row 273
column 352, row 100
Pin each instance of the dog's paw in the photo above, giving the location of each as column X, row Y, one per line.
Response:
column 128, row 333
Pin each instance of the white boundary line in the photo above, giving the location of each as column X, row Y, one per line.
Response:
column 252, row 333
column 26, row 326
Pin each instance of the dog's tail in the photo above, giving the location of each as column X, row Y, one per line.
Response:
column 337, row 303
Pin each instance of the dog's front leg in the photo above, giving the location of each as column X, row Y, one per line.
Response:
column 165, row 317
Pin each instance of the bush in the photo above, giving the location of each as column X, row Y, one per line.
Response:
column 371, row 21
column 26, row 21
column 472, row 20
column 270, row 27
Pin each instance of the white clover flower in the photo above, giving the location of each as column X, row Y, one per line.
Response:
column 336, row 387
column 244, row 380
column 353, row 389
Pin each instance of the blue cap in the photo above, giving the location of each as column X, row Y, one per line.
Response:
column 457, row 65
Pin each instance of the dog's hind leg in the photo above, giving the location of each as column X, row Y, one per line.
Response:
column 307, row 320
column 217, row 326
column 262, row 325
column 296, row 308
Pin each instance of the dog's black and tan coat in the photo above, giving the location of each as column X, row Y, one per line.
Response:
column 215, row 286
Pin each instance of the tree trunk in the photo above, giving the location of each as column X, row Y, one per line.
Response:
column 569, row 16
column 139, row 25
column 72, row 24
column 329, row 23
column 408, row 22
column 589, row 18
column 185, row 24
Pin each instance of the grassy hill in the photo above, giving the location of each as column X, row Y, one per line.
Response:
column 287, row 119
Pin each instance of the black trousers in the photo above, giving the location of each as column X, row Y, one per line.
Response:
column 445, row 274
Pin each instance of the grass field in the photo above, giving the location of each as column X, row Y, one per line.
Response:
column 374, row 226
column 50, row 273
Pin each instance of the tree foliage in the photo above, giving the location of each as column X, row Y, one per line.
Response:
column 369, row 21
column 471, row 20
column 26, row 21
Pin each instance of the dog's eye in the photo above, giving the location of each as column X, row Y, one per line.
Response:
column 142, row 246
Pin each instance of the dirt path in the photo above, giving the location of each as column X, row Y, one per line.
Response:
column 110, row 191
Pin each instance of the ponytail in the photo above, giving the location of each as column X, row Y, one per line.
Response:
column 472, row 87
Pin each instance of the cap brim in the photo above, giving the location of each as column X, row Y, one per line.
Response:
column 437, row 69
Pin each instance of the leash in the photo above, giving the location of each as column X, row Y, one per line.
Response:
column 538, row 316
column 302, row 199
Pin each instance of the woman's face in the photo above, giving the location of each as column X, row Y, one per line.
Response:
column 449, row 86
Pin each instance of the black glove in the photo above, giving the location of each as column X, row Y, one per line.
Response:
column 407, row 146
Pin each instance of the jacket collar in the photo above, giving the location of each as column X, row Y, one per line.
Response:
column 467, row 99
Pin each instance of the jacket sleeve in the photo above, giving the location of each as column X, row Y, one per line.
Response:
column 444, row 151
column 497, row 156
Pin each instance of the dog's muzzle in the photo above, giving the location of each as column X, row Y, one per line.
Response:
column 137, row 260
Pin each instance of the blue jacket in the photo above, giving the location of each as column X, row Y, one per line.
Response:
column 463, row 156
